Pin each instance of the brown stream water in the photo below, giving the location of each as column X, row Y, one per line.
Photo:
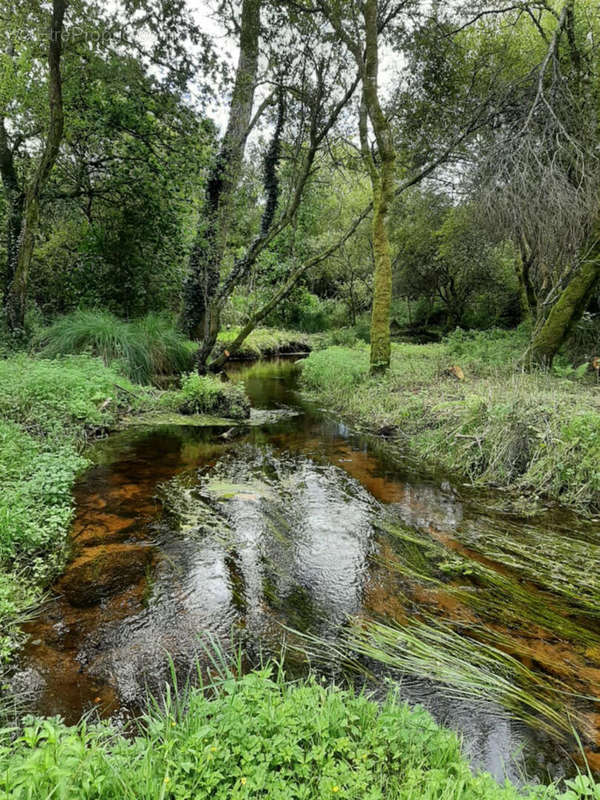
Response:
column 299, row 523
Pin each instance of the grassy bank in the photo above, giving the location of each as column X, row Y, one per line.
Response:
column 266, row 342
column 151, row 348
column 533, row 433
column 49, row 409
column 257, row 737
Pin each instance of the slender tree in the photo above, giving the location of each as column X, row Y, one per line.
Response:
column 360, row 28
column 309, row 90
column 211, row 239
column 25, row 204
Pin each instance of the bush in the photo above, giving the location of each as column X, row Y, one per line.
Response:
column 482, row 350
column 208, row 395
column 144, row 349
column 310, row 313
column 258, row 737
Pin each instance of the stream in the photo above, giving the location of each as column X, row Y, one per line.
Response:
column 296, row 536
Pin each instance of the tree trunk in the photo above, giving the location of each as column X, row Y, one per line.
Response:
column 382, row 182
column 565, row 313
column 14, row 201
column 283, row 291
column 17, row 294
column 382, row 284
column 527, row 296
column 200, row 316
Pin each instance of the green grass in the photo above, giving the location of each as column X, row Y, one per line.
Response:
column 144, row 349
column 255, row 737
column 536, row 433
column 208, row 395
column 264, row 342
column 48, row 409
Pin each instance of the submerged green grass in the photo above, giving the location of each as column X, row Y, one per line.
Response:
column 255, row 737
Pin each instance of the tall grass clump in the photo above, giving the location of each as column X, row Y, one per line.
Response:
column 487, row 351
column 255, row 737
column 338, row 368
column 143, row 349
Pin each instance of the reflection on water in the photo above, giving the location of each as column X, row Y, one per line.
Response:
column 300, row 524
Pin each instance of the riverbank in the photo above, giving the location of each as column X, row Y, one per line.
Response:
column 266, row 343
column 68, row 753
column 49, row 411
column 256, row 736
column 464, row 407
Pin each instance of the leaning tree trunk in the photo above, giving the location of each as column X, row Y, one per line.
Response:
column 382, row 182
column 565, row 313
column 201, row 312
column 17, row 293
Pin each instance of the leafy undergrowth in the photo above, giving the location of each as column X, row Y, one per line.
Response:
column 258, row 736
column 208, row 395
column 144, row 349
column 47, row 411
column 531, row 432
column 264, row 342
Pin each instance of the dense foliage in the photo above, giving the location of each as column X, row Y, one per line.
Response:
column 257, row 737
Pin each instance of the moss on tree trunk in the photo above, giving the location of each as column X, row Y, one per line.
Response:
column 382, row 181
column 565, row 313
column 382, row 290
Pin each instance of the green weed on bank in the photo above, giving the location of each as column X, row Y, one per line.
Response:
column 258, row 737
column 533, row 432
column 207, row 394
column 264, row 342
column 47, row 411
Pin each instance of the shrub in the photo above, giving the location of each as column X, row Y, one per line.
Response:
column 36, row 503
column 308, row 312
column 208, row 395
column 258, row 737
column 144, row 349
column 489, row 350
